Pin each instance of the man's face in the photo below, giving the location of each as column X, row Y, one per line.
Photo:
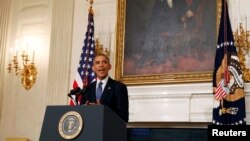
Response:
column 101, row 66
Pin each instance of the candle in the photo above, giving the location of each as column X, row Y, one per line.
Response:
column 16, row 48
column 10, row 53
column 248, row 35
column 110, row 39
column 16, row 52
column 239, row 19
column 246, row 23
column 33, row 56
column 27, row 48
column 16, row 58
column 238, row 26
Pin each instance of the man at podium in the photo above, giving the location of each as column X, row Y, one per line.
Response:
column 105, row 90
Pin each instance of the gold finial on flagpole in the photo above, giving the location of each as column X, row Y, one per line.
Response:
column 90, row 1
column 90, row 8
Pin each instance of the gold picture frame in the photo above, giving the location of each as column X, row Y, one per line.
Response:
column 134, row 63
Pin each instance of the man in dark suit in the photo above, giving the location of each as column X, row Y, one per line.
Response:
column 114, row 93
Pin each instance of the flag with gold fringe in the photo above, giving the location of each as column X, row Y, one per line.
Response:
column 84, row 74
column 228, row 84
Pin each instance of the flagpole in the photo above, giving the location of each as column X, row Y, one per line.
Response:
column 84, row 73
column 226, row 62
column 91, row 2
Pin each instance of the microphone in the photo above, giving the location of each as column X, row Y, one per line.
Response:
column 74, row 91
column 77, row 92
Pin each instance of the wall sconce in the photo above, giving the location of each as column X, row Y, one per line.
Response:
column 26, row 69
column 241, row 37
column 99, row 48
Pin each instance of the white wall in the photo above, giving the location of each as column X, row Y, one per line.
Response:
column 22, row 111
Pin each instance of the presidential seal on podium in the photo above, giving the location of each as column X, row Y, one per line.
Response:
column 70, row 125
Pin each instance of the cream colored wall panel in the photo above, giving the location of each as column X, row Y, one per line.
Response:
column 105, row 25
column 103, row 28
column 60, row 52
column 26, row 108
column 103, row 1
column 78, row 36
column 27, row 4
column 33, row 26
column 4, row 20
column 104, row 10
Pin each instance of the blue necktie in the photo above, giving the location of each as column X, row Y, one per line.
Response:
column 99, row 91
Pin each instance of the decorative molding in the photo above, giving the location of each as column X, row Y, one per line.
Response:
column 4, row 20
column 33, row 26
column 103, row 11
column 32, row 4
column 202, row 88
column 60, row 52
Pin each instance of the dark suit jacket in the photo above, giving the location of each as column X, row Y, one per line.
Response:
column 115, row 96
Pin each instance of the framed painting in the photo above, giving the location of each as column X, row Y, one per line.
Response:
column 166, row 41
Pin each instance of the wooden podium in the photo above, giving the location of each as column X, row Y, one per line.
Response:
column 82, row 123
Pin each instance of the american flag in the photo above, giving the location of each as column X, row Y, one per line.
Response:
column 220, row 92
column 228, row 84
column 84, row 74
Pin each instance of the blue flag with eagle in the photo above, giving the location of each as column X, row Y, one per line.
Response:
column 228, row 84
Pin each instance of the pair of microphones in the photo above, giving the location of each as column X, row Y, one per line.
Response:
column 76, row 92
